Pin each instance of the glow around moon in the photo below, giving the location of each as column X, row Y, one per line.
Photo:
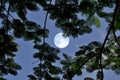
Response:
column 60, row 41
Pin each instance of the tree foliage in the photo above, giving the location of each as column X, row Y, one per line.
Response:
column 96, row 56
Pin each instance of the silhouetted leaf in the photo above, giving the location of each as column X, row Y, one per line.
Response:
column 30, row 25
column 13, row 72
column 56, row 78
column 12, row 46
column 2, row 15
column 31, row 6
column 55, row 70
column 100, row 75
column 2, row 79
column 104, row 14
column 30, row 35
column 17, row 67
column 81, row 52
column 42, row 2
column 37, row 55
column 48, row 76
column 21, row 14
column 67, row 57
column 42, row 32
column 19, row 28
column 90, row 69
column 3, row 70
column 88, row 78
column 32, row 77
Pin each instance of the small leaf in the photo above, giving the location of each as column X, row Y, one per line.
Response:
column 21, row 14
column 32, row 77
column 42, row 2
column 17, row 67
column 56, row 78
column 55, row 70
column 2, row 15
column 37, row 55
column 13, row 72
column 76, row 67
column 99, row 75
column 67, row 57
column 29, row 36
column 37, row 46
column 31, row 6
column 88, row 78
column 90, row 69
column 97, row 22
column 3, row 79
column 48, row 76
column 31, row 25
column 12, row 46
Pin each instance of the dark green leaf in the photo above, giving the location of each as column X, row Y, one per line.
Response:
column 88, row 78
column 42, row 2
column 67, row 57
column 90, row 69
column 30, row 25
column 13, row 72
column 56, row 78
column 55, row 70
column 21, row 14
column 31, row 6
column 30, row 36
column 17, row 66
column 2, row 15
column 48, row 76
column 97, row 22
column 100, row 75
column 3, row 79
column 32, row 77
column 12, row 46
column 38, row 55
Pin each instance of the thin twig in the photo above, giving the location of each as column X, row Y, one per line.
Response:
column 7, row 24
column 10, row 14
column 45, row 22
column 46, row 16
column 115, row 37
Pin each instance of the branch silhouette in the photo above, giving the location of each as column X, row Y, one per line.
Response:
column 104, row 42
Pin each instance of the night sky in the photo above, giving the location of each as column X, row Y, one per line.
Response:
column 24, row 56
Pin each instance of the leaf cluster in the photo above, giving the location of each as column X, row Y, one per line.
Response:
column 7, row 49
column 46, row 69
column 95, row 56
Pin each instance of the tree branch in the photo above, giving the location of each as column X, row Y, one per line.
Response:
column 111, row 26
column 45, row 24
column 106, row 38
column 104, row 42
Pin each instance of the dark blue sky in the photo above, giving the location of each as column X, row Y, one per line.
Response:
column 25, row 55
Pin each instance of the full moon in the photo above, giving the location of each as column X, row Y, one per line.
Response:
column 60, row 41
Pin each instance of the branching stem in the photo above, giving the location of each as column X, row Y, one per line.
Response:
column 104, row 42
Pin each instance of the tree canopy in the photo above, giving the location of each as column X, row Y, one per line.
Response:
column 96, row 56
